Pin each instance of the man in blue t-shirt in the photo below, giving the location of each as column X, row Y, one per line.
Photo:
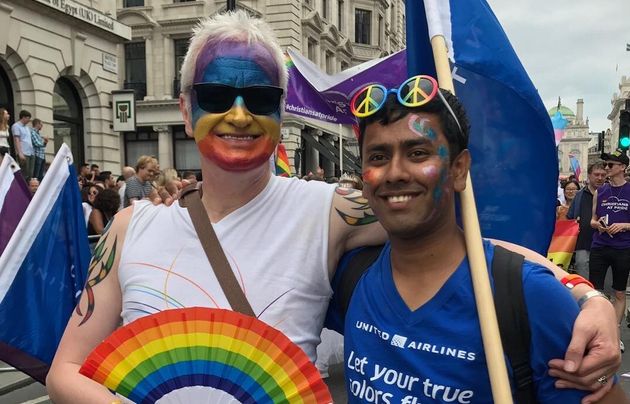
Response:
column 411, row 329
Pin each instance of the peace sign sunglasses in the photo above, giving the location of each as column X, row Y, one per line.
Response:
column 218, row 98
column 413, row 92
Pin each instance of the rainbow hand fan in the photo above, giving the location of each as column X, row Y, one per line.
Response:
column 203, row 355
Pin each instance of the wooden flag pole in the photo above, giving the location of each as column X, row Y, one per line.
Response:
column 497, row 370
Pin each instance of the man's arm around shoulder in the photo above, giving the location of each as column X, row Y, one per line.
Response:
column 594, row 347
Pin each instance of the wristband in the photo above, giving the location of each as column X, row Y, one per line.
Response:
column 572, row 280
column 589, row 295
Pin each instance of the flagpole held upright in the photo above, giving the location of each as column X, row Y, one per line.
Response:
column 497, row 370
column 341, row 149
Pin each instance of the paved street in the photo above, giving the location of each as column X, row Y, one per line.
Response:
column 28, row 392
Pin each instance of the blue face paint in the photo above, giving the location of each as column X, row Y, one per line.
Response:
column 236, row 72
column 437, row 192
column 233, row 71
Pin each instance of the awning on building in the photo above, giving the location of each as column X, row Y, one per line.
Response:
column 330, row 152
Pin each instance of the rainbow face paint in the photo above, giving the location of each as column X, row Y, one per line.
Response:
column 406, row 173
column 235, row 140
column 420, row 126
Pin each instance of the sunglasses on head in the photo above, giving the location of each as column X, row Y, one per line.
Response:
column 610, row 165
column 219, row 98
column 413, row 92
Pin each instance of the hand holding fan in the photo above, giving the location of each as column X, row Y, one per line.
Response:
column 197, row 355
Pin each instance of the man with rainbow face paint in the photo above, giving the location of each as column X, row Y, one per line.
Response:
column 283, row 237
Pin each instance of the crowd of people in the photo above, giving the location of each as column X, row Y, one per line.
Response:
column 103, row 195
column 603, row 215
column 412, row 314
column 414, row 159
column 29, row 145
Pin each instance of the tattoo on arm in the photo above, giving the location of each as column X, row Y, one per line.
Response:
column 363, row 216
column 105, row 264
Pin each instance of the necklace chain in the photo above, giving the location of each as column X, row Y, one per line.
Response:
column 619, row 189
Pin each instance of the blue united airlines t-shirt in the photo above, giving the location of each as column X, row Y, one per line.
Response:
column 435, row 353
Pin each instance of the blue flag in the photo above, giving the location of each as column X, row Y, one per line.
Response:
column 514, row 162
column 43, row 271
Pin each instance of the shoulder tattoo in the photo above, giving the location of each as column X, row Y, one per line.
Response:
column 100, row 267
column 359, row 212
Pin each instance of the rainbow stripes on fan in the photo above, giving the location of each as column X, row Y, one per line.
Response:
column 222, row 349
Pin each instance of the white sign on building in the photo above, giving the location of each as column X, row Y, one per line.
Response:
column 110, row 63
column 124, row 110
column 89, row 15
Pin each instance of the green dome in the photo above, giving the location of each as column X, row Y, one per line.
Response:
column 566, row 112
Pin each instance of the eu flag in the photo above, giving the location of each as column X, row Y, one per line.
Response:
column 514, row 162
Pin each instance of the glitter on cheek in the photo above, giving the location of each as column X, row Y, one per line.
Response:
column 372, row 177
column 368, row 176
column 430, row 171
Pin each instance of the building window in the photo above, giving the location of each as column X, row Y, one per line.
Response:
column 133, row 3
column 340, row 15
column 185, row 151
column 142, row 142
column 381, row 31
column 330, row 63
column 394, row 16
column 181, row 47
column 68, row 118
column 136, row 68
column 362, row 26
column 324, row 8
column 311, row 47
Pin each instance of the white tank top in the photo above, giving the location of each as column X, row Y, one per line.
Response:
column 277, row 246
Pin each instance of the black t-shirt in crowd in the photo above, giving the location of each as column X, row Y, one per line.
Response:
column 585, row 237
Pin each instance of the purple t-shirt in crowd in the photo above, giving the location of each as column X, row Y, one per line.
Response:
column 613, row 203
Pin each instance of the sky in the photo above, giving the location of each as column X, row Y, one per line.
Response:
column 571, row 49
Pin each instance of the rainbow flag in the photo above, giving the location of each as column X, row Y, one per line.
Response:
column 575, row 166
column 563, row 243
column 283, row 169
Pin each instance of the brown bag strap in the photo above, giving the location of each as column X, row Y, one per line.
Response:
column 216, row 256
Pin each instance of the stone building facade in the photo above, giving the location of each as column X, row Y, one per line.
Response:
column 58, row 60
column 335, row 34
column 575, row 141
column 618, row 103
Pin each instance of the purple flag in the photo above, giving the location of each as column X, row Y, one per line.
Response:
column 315, row 94
column 14, row 198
